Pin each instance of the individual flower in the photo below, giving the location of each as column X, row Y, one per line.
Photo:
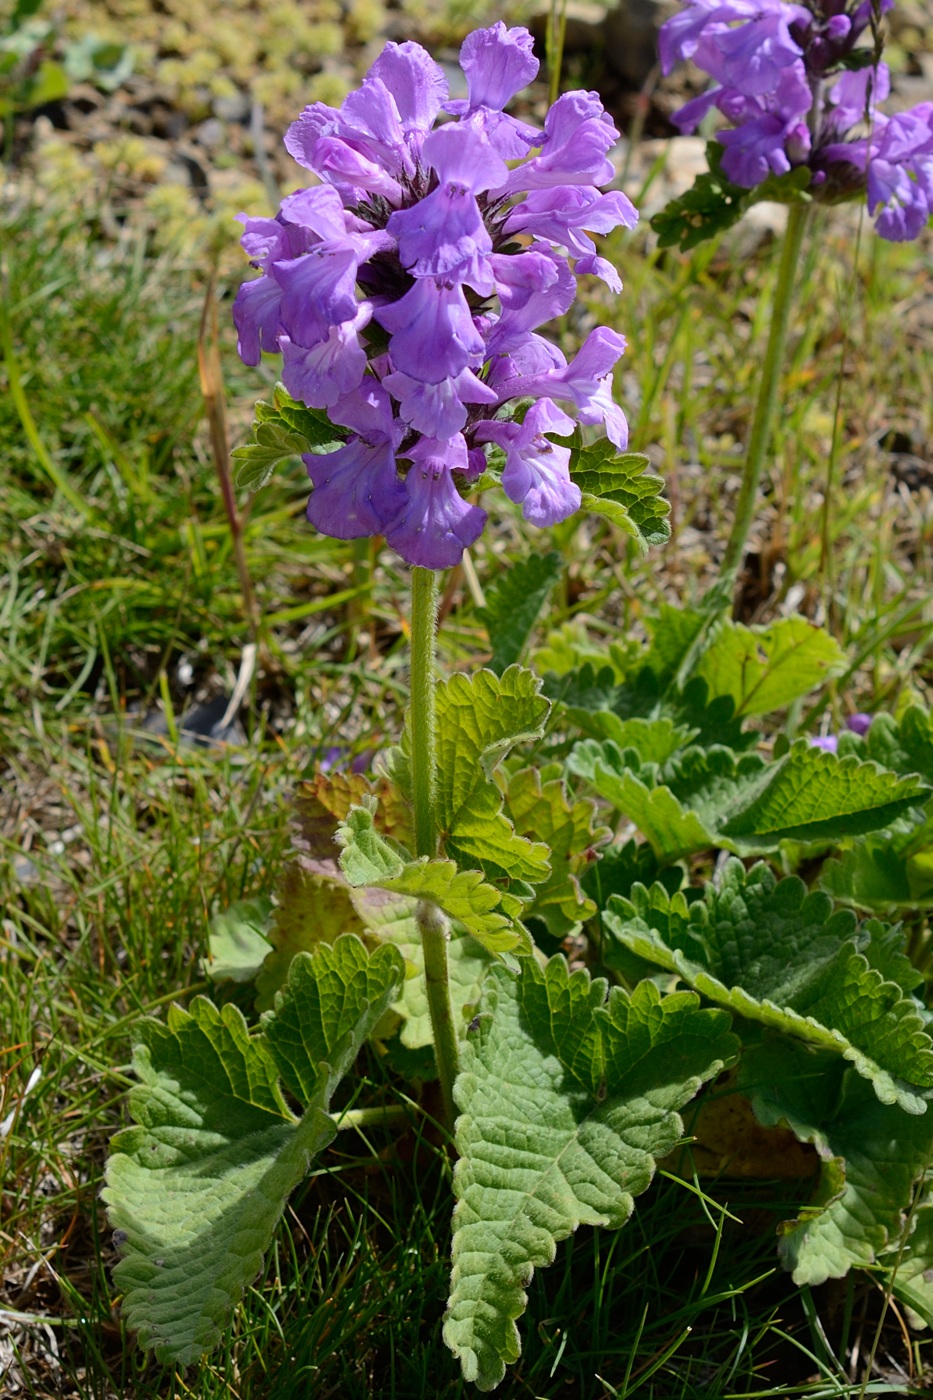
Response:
column 405, row 292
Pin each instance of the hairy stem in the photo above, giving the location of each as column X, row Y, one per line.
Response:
column 766, row 402
column 423, row 724
column 432, row 924
column 434, row 935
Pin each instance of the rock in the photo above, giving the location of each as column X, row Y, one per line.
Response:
column 233, row 109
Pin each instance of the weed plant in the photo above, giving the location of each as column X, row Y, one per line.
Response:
column 123, row 836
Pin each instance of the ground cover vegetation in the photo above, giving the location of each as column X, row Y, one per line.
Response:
column 656, row 813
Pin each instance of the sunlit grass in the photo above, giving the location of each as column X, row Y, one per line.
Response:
column 120, row 839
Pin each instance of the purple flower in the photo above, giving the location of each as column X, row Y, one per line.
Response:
column 791, row 98
column 444, row 234
column 829, row 743
column 433, row 335
column 859, row 723
column 357, row 490
column 536, row 475
column 436, row 524
column 405, row 291
column 498, row 63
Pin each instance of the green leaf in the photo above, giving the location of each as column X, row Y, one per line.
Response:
column 891, row 870
column 566, row 1100
column 282, row 430
column 778, row 956
column 479, row 719
column 709, row 207
column 617, row 486
column 465, row 896
column 196, row 1189
column 765, row 668
column 739, row 803
column 513, row 602
column 237, row 941
column 714, row 203
column 910, row 1270
column 369, row 859
column 905, row 745
column 394, row 922
column 872, row 1156
column 810, row 794
column 539, row 806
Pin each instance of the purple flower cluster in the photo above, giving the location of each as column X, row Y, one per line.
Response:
column 405, row 292
column 792, row 83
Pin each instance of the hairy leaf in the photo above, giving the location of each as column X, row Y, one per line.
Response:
column 765, row 668
column 890, row 870
column 539, row 806
column 566, row 1100
column 872, row 1155
column 617, row 486
column 482, row 908
column 776, row 955
column 714, row 798
column 479, row 719
column 468, row 962
column 513, row 602
column 713, row 203
column 196, row 1189
column 282, row 429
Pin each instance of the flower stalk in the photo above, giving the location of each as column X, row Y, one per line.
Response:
column 432, row 925
column 766, row 401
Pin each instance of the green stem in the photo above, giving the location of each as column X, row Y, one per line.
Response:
column 431, row 922
column 423, row 724
column 766, row 402
column 434, row 935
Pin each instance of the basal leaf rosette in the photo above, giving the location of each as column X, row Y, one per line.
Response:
column 405, row 292
column 566, row 1096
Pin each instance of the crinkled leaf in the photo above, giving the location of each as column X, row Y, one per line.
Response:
column 810, row 794
column 765, row 668
column 322, row 803
column 566, row 1100
column 616, row 484
column 872, row 1155
column 910, row 1270
column 513, row 601
column 539, row 806
column 479, row 719
column 281, row 430
column 238, row 941
column 906, row 745
column 196, row 1189
column 483, row 909
column 465, row 896
column 743, row 805
column 394, row 922
column 713, row 203
column 366, row 858
column 776, row 955
column 890, row 870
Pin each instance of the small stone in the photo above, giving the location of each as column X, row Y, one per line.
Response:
column 209, row 134
column 233, row 109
